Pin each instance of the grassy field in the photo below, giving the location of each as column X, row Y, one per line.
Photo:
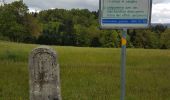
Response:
column 90, row 73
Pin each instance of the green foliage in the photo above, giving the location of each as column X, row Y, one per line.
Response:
column 17, row 24
column 144, row 39
column 76, row 28
column 80, row 28
column 165, row 39
column 82, row 35
column 159, row 29
column 109, row 39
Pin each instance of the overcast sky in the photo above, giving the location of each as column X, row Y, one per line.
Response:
column 160, row 10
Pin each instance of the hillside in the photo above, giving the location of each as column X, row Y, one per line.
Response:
column 89, row 73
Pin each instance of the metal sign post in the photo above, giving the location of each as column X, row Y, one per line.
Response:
column 123, row 64
column 124, row 14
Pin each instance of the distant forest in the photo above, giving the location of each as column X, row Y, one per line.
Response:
column 75, row 27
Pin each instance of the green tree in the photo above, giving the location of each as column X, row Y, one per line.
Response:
column 165, row 39
column 82, row 35
column 145, row 39
column 109, row 39
column 17, row 24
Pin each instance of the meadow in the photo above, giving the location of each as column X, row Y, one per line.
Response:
column 90, row 73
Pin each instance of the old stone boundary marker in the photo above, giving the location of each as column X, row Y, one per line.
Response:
column 44, row 74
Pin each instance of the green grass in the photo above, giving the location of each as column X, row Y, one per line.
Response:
column 90, row 73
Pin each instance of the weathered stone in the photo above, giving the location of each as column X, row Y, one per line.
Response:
column 44, row 75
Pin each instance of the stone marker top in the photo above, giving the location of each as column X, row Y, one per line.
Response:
column 43, row 49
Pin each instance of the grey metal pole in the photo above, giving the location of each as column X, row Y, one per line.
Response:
column 123, row 65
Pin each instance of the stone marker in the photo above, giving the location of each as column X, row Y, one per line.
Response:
column 44, row 75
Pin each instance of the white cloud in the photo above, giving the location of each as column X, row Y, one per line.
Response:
column 34, row 9
column 161, row 13
column 67, row 4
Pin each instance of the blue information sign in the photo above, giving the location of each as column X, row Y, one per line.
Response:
column 125, row 13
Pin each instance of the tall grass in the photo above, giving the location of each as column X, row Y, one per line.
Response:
column 90, row 73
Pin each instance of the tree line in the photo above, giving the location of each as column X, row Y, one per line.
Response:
column 75, row 27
